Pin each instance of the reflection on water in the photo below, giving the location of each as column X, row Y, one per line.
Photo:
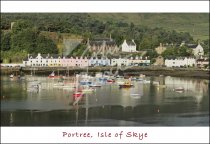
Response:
column 142, row 105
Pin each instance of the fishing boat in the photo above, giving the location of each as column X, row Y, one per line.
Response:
column 126, row 84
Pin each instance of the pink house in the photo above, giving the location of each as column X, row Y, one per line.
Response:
column 72, row 62
column 81, row 62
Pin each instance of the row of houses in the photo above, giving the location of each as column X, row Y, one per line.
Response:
column 187, row 62
column 59, row 61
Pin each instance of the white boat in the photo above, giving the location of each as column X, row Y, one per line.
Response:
column 155, row 83
column 135, row 96
column 88, row 90
column 11, row 76
column 179, row 89
column 95, row 85
column 146, row 81
column 161, row 86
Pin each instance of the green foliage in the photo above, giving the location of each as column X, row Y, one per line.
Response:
column 182, row 51
column 5, row 41
column 205, row 45
column 148, row 30
column 25, row 38
column 151, row 54
column 45, row 45
column 13, row 57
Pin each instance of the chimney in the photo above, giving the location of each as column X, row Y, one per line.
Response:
column 161, row 45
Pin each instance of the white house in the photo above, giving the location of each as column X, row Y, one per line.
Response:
column 129, row 46
column 180, row 62
column 119, row 62
column 138, row 61
column 196, row 49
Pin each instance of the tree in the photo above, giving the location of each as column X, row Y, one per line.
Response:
column 5, row 41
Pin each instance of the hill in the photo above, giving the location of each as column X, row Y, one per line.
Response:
column 197, row 24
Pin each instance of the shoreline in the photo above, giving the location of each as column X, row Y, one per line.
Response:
column 135, row 70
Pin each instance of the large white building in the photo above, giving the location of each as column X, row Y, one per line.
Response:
column 180, row 62
column 129, row 46
column 42, row 60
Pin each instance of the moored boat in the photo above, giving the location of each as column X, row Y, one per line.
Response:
column 126, row 84
column 179, row 89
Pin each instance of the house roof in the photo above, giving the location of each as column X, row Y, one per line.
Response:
column 191, row 45
column 131, row 43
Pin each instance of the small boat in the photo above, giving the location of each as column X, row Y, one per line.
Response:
column 88, row 90
column 52, row 75
column 136, row 96
column 133, row 78
column 155, row 83
column 161, row 86
column 142, row 76
column 11, row 76
column 126, row 84
column 85, row 82
column 146, row 82
column 139, row 79
column 110, row 81
column 179, row 89
column 120, row 82
column 77, row 94
column 95, row 85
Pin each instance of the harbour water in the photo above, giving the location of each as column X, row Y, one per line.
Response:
column 142, row 105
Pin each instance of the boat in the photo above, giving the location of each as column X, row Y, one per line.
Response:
column 161, row 86
column 146, row 81
column 110, row 81
column 95, row 85
column 77, row 93
column 85, row 82
column 155, row 82
column 139, row 79
column 11, row 76
column 142, row 76
column 135, row 96
column 179, row 89
column 88, row 90
column 52, row 75
column 126, row 84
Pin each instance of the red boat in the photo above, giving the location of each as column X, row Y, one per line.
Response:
column 77, row 94
column 110, row 80
column 52, row 75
